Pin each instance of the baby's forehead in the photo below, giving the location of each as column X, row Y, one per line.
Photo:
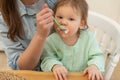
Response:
column 75, row 9
column 68, row 11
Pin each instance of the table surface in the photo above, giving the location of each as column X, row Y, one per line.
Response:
column 35, row 75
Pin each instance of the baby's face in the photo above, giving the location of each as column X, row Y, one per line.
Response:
column 68, row 17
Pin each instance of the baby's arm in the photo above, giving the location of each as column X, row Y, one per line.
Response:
column 50, row 63
column 96, row 61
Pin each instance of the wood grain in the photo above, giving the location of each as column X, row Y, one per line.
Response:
column 35, row 75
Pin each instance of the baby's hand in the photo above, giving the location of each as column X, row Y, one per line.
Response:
column 60, row 72
column 93, row 73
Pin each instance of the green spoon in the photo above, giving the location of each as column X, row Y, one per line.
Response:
column 59, row 25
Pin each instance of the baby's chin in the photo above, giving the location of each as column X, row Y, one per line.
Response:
column 64, row 35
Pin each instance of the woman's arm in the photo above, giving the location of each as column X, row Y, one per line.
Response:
column 31, row 56
column 20, row 54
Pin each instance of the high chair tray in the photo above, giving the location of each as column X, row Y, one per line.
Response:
column 36, row 75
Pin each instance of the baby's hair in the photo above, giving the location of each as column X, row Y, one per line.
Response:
column 79, row 5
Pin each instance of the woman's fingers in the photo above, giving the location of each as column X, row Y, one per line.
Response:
column 43, row 12
column 44, row 20
column 45, row 6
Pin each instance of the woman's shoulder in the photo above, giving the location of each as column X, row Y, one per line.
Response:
column 2, row 24
column 51, row 3
column 1, row 17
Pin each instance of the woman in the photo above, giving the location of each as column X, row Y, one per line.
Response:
column 24, row 26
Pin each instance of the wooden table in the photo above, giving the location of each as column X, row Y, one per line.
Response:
column 35, row 75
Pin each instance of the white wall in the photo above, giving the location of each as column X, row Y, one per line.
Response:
column 110, row 8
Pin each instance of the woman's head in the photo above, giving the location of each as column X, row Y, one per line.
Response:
column 71, row 14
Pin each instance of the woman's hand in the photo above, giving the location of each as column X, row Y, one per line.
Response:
column 60, row 72
column 44, row 20
column 93, row 73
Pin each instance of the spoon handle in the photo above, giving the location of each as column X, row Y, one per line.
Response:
column 60, row 26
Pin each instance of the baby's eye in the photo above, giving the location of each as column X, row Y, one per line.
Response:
column 60, row 17
column 71, row 19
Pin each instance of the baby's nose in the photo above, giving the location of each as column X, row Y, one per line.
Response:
column 64, row 22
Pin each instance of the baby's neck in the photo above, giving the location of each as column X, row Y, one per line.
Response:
column 71, row 41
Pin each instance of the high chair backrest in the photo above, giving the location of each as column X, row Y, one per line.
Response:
column 107, row 32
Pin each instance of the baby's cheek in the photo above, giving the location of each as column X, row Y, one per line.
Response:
column 70, row 30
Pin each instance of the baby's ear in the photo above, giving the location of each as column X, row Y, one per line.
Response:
column 82, row 24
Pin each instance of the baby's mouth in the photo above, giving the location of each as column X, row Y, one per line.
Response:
column 63, row 31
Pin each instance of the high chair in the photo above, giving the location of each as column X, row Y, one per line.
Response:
column 107, row 32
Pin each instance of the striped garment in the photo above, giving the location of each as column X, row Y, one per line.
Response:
column 51, row 3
